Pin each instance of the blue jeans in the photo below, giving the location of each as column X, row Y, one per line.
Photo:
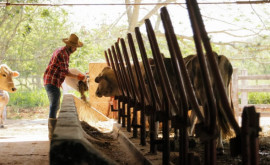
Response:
column 54, row 94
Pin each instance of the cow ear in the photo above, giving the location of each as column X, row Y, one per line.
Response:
column 15, row 73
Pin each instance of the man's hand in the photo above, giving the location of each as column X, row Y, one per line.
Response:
column 81, row 77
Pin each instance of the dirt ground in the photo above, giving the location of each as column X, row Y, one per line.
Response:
column 24, row 141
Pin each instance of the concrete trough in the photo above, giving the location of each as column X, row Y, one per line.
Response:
column 69, row 146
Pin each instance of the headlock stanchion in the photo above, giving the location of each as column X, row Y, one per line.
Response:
column 131, row 94
column 151, row 92
column 171, row 107
column 144, row 101
column 211, row 112
column 135, row 95
column 113, row 99
column 122, row 95
column 249, row 136
column 213, row 64
column 182, row 76
column 156, row 102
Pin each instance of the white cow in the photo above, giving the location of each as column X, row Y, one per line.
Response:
column 6, row 85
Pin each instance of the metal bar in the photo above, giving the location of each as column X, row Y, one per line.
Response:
column 128, row 84
column 245, row 141
column 254, row 137
column 166, row 86
column 125, row 88
column 129, row 69
column 131, row 4
column 132, row 81
column 119, row 85
column 131, row 93
column 214, row 67
column 187, row 82
column 156, row 106
column 211, row 112
column 161, row 69
column 183, row 141
column 125, row 80
column 107, row 59
column 148, row 71
column 145, row 100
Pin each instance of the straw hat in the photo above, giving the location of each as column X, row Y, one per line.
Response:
column 73, row 40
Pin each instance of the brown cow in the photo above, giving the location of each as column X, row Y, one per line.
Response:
column 194, row 71
column 6, row 85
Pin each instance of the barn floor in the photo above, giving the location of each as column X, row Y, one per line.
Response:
column 24, row 142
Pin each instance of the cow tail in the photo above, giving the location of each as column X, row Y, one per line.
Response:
column 223, row 121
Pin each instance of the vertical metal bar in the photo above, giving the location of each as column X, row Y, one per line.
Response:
column 154, row 92
column 145, row 100
column 183, row 141
column 254, row 137
column 161, row 69
column 107, row 59
column 130, row 89
column 124, row 83
column 119, row 85
column 187, row 82
column 214, row 67
column 170, row 98
column 137, row 96
column 245, row 143
column 129, row 69
column 211, row 113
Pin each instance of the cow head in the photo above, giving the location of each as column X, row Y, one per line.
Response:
column 6, row 81
column 107, row 83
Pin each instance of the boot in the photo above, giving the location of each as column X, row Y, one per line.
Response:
column 51, row 127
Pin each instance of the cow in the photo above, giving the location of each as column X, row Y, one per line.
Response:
column 195, row 75
column 78, row 85
column 107, row 83
column 108, row 87
column 6, row 85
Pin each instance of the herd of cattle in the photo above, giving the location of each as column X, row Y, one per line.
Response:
column 108, row 87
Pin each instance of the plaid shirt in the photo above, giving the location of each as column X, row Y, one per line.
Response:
column 57, row 69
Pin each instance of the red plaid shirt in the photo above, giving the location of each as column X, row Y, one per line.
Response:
column 57, row 69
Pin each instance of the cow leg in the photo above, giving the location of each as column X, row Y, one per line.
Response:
column 193, row 121
column 1, row 117
column 220, row 147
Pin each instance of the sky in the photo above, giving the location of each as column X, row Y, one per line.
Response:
column 216, row 17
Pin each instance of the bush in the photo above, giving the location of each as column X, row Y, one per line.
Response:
column 258, row 98
column 28, row 99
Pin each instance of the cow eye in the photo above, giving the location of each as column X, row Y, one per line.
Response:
column 4, row 75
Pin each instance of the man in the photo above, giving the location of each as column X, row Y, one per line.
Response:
column 55, row 74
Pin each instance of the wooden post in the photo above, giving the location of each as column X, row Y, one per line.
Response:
column 234, row 94
column 244, row 84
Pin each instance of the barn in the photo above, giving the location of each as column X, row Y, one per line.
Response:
column 169, row 107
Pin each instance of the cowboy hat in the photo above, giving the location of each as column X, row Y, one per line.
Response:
column 73, row 40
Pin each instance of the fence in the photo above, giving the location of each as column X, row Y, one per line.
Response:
column 245, row 88
column 134, row 99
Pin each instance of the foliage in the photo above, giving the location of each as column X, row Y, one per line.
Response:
column 259, row 98
column 30, row 34
column 28, row 99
